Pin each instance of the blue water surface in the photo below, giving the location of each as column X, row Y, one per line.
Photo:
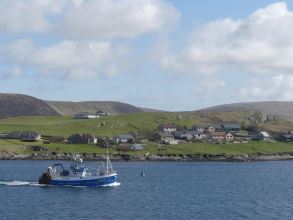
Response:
column 170, row 190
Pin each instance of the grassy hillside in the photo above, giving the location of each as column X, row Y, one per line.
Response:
column 72, row 108
column 12, row 105
column 143, row 123
column 16, row 105
column 282, row 109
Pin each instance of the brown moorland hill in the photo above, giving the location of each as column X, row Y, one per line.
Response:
column 12, row 105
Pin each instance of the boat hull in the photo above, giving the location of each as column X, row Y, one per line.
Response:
column 87, row 181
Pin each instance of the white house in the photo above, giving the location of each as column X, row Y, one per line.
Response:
column 124, row 138
column 264, row 136
column 229, row 137
column 167, row 128
column 211, row 129
column 85, row 115
column 102, row 113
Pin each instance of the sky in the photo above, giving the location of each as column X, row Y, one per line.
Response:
column 174, row 55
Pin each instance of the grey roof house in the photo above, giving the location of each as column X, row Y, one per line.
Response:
column 30, row 136
column 286, row 137
column 218, row 127
column 197, row 135
column 228, row 127
column 82, row 139
column 183, row 135
column 15, row 135
column 199, row 128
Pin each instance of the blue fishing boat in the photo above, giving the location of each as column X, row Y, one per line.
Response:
column 80, row 175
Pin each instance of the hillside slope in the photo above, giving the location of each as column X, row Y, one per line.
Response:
column 71, row 108
column 23, row 105
column 281, row 109
column 12, row 105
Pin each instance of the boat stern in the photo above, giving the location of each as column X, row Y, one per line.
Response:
column 45, row 178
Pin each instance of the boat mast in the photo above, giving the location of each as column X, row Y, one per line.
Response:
column 107, row 161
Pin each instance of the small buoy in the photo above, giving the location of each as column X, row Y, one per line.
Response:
column 142, row 173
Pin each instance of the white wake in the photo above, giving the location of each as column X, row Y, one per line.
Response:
column 18, row 183
column 112, row 184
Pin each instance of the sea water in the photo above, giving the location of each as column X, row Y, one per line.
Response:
column 169, row 190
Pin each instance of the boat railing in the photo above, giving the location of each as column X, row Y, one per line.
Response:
column 104, row 171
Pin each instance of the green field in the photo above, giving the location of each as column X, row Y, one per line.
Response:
column 262, row 148
column 143, row 123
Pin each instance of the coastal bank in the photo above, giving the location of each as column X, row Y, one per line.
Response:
column 171, row 157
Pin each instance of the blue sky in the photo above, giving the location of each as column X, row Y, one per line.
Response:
column 163, row 54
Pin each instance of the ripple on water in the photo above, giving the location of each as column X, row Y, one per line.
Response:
column 260, row 190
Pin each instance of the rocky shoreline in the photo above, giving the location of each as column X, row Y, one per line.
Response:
column 126, row 157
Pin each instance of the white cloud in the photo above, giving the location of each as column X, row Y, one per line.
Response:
column 67, row 58
column 212, row 83
column 77, row 38
column 209, row 86
column 8, row 73
column 279, row 87
column 261, row 43
column 19, row 16
column 16, row 72
column 87, row 19
column 112, row 18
